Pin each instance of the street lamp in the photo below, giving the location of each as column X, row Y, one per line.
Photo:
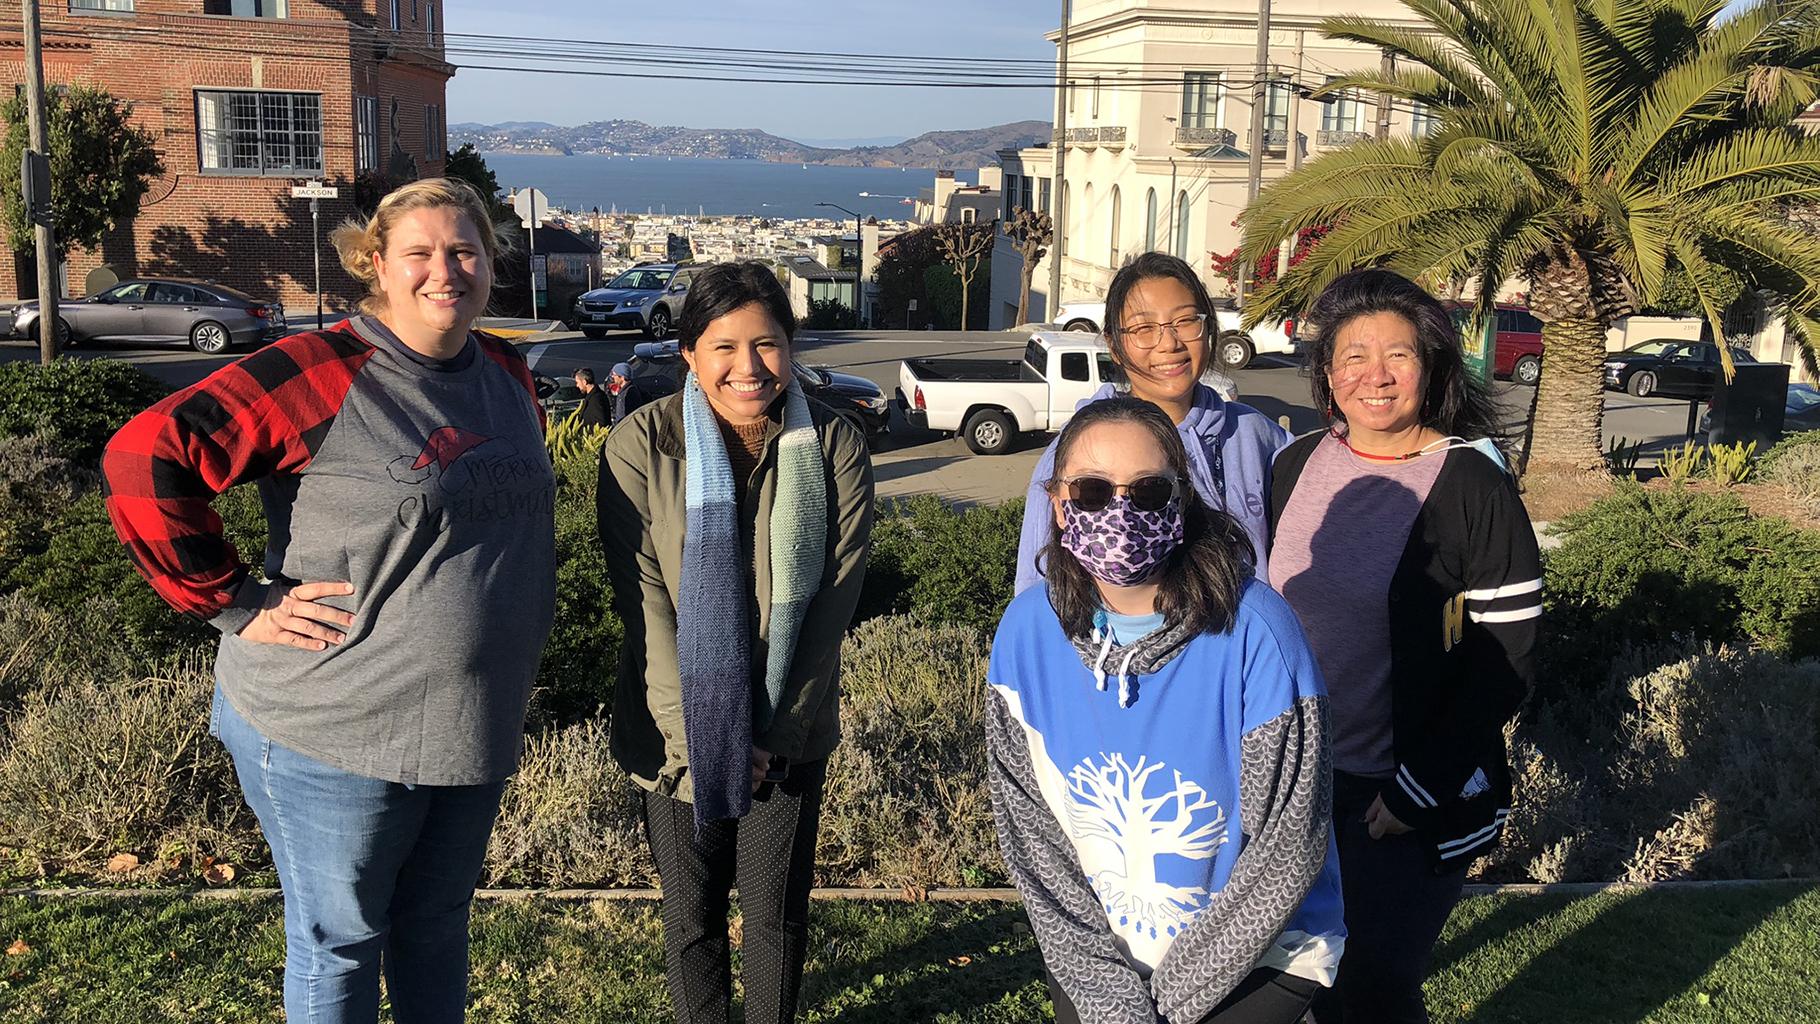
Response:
column 859, row 270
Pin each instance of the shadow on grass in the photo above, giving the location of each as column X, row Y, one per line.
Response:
column 1629, row 959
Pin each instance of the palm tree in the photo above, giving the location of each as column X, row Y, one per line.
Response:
column 1592, row 149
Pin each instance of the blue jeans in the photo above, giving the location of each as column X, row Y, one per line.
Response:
column 372, row 872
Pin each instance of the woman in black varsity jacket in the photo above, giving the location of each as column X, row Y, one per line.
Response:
column 1399, row 539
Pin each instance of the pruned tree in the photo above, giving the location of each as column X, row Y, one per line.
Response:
column 964, row 247
column 1031, row 233
column 101, row 165
column 1130, row 827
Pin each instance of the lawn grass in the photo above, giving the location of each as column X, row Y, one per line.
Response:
column 1662, row 957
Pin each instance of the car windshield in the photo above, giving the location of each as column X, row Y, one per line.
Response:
column 1801, row 399
column 646, row 280
column 1650, row 348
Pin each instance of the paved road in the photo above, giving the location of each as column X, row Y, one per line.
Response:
column 915, row 462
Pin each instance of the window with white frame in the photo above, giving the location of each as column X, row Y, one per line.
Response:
column 969, row 215
column 1423, row 121
column 1276, row 107
column 366, row 133
column 1096, row 97
column 1341, row 112
column 102, row 5
column 429, row 20
column 1150, row 221
column 1200, row 100
column 1182, row 221
column 248, row 8
column 397, row 17
column 278, row 133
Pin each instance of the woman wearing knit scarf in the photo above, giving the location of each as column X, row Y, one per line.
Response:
column 736, row 517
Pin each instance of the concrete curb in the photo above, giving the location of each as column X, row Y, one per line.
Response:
column 909, row 895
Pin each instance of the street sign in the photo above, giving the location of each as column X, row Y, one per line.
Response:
column 315, row 190
column 1478, row 342
column 35, row 183
column 531, row 206
column 540, row 268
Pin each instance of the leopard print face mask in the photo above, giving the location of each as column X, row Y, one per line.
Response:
column 1121, row 545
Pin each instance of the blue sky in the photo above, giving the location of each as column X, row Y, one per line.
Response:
column 956, row 28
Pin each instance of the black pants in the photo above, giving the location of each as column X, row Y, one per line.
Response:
column 771, row 854
column 1265, row 997
column 1396, row 907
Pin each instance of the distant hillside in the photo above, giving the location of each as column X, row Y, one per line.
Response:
column 948, row 150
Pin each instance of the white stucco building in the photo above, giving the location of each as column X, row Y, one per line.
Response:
column 1159, row 118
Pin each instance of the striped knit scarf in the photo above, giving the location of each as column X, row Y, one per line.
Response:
column 713, row 650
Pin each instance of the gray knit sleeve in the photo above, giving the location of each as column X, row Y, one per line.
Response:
column 1070, row 926
column 1286, row 811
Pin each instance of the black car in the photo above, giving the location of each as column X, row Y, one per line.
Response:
column 659, row 365
column 1670, row 368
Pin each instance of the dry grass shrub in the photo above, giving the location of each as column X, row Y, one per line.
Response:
column 1797, row 469
column 569, row 817
column 1705, row 767
column 105, row 764
column 906, row 802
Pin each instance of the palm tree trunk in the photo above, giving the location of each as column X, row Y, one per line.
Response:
column 1570, row 398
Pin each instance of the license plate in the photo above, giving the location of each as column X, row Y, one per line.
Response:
column 597, row 316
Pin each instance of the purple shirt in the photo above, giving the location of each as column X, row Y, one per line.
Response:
column 1337, row 546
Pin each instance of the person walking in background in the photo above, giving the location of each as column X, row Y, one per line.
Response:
column 1159, row 327
column 371, row 685
column 1403, row 546
column 594, row 410
column 736, row 518
column 1157, row 751
column 628, row 394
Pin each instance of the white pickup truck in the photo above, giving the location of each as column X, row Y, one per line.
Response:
column 1233, row 346
column 988, row 402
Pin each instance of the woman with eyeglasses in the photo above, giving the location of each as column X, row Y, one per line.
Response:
column 1403, row 546
column 1156, row 749
column 1159, row 329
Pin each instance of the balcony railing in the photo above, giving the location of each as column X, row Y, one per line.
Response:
column 1112, row 137
column 1328, row 139
column 1201, row 138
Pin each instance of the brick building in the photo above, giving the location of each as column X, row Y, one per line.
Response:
column 245, row 98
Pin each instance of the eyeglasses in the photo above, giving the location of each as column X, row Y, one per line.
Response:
column 1147, row 494
column 1149, row 335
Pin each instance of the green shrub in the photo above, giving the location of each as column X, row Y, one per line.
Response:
column 575, row 677
column 83, row 561
column 34, row 480
column 76, row 403
column 942, row 563
column 1705, row 767
column 1805, row 441
column 1647, row 567
column 121, row 764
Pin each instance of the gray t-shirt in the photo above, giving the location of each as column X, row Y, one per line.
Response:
column 1337, row 545
column 431, row 492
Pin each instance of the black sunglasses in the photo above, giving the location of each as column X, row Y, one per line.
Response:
column 1147, row 494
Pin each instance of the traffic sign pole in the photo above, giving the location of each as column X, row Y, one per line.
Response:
column 316, row 192
column 530, row 205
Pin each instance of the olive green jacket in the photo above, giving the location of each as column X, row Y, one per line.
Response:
column 643, row 519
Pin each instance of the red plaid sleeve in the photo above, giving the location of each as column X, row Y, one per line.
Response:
column 513, row 362
column 262, row 415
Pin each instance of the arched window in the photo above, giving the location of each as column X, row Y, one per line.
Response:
column 1116, row 213
column 1150, row 221
column 1065, row 229
column 1085, row 221
column 1181, row 225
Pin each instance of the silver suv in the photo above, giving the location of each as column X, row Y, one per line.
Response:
column 647, row 298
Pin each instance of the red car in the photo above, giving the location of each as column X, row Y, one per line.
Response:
column 1518, row 353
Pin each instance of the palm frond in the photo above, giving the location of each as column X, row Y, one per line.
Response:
column 1778, row 154
column 1418, row 48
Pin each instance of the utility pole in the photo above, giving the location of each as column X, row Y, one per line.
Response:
column 1260, row 92
column 47, row 249
column 1389, row 67
column 1058, row 206
column 1287, row 249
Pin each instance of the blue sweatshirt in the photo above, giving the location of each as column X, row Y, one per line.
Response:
column 1224, row 439
column 1189, row 775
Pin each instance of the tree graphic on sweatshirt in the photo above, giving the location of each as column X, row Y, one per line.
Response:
column 1120, row 829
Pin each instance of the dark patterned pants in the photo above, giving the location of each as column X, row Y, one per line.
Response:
column 770, row 853
column 1266, row 996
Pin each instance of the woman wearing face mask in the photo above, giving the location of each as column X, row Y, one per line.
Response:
column 1156, row 752
column 1159, row 327
column 736, row 517
column 371, row 687
column 1405, row 550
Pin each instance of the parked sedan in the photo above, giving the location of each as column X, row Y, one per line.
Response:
column 211, row 318
column 1672, row 369
column 854, row 397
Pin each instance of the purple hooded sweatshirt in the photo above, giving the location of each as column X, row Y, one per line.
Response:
column 1224, row 439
